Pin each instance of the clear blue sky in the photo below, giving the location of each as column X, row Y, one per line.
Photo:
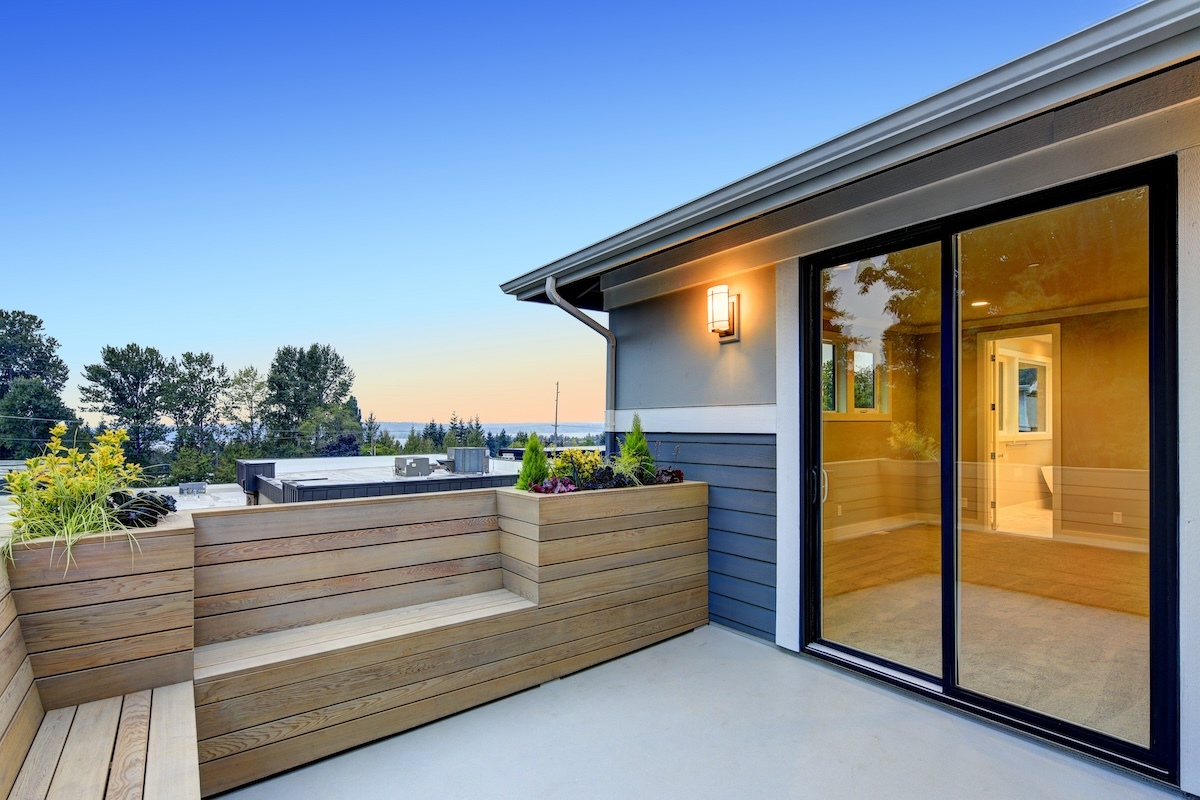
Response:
column 236, row 176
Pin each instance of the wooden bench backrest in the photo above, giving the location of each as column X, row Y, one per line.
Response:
column 278, row 567
column 20, row 705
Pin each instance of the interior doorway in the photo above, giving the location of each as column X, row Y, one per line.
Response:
column 1020, row 431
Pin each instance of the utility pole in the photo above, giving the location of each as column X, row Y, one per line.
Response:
column 556, row 442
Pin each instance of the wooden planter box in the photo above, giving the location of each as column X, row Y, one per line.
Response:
column 118, row 620
column 557, row 548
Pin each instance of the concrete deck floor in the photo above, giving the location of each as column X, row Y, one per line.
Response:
column 709, row 714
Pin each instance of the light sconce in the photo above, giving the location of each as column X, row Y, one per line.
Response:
column 723, row 314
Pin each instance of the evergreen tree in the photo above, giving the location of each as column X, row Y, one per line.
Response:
column 440, row 439
column 371, row 431
column 27, row 413
column 451, row 440
column 534, row 467
column 503, row 440
column 352, row 407
column 323, row 432
column 128, row 384
column 490, row 443
column 26, row 352
column 457, row 428
column 431, row 431
column 385, row 445
column 192, row 395
column 245, row 403
column 301, row 381
column 635, row 452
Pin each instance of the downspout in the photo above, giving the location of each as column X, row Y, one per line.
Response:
column 610, row 383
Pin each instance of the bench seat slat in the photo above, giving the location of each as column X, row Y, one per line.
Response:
column 88, row 752
column 172, row 769
column 33, row 781
column 127, row 776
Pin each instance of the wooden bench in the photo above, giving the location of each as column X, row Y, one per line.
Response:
column 324, row 626
column 137, row 745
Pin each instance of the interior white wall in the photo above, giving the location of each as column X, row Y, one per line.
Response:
column 1189, row 469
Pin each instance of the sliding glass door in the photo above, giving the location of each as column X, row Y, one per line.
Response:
column 1054, row 583
column 991, row 432
column 881, row 511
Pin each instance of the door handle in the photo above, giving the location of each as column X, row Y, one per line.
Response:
column 824, row 486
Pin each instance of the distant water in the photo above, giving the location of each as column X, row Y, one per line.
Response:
column 543, row 429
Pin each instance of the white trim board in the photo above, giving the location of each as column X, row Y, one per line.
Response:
column 1189, row 473
column 701, row 419
column 787, row 470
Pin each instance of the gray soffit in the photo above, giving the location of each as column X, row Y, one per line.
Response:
column 1146, row 38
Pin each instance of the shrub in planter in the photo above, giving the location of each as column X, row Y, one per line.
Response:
column 634, row 459
column 578, row 465
column 534, row 467
column 68, row 493
column 554, row 485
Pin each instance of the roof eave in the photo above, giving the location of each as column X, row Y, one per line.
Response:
column 788, row 181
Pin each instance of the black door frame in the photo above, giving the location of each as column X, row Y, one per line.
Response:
column 1161, row 758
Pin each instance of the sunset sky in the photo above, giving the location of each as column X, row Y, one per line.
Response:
column 236, row 176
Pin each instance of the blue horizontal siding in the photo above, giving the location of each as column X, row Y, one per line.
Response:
column 746, row 591
column 740, row 472
column 745, row 546
column 741, row 500
column 752, row 619
column 745, row 568
column 755, row 479
column 761, row 526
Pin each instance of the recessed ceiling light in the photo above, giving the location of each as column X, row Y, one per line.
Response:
column 979, row 303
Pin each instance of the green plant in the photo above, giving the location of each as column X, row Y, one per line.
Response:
column 534, row 467
column 65, row 492
column 634, row 459
column 578, row 465
column 905, row 436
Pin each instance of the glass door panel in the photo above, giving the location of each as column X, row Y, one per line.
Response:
column 880, row 533
column 1053, row 539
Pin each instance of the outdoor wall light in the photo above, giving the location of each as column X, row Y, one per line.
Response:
column 723, row 314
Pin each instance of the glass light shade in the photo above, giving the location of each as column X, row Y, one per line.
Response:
column 718, row 309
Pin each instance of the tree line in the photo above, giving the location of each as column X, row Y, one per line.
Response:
column 300, row 407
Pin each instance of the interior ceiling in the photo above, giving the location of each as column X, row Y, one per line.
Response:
column 1085, row 254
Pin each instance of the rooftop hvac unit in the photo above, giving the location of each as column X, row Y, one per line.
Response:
column 468, row 459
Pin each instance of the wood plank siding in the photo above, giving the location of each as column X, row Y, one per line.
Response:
column 740, row 472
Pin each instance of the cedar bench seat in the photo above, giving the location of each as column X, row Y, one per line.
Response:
column 262, row 697
column 138, row 745
column 279, row 649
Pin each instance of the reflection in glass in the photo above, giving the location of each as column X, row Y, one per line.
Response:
column 880, row 551
column 864, row 380
column 829, row 392
column 1054, row 425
